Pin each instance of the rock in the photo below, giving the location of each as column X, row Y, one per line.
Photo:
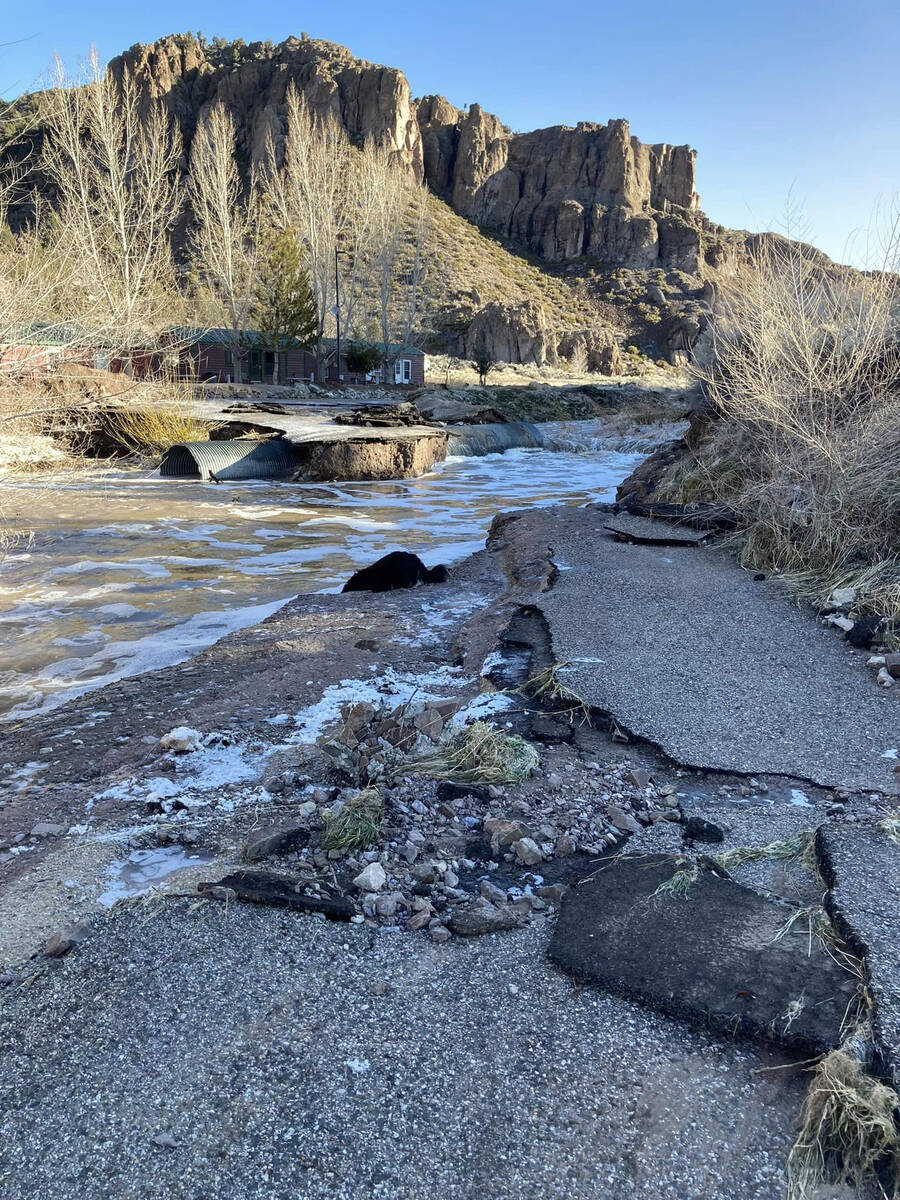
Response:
column 503, row 832
column 697, row 829
column 552, row 892
column 639, row 777
column 472, row 920
column 561, row 192
column 447, row 791
column 424, row 872
column 564, row 846
column 357, row 716
column 840, row 622
column 720, row 958
column 166, row 1140
column 380, row 987
column 527, row 851
column 419, row 919
column 865, row 632
column 182, row 740
column 275, row 839
column 399, row 569
column 387, row 905
column 64, row 940
column 842, row 597
column 885, row 678
column 48, row 829
column 430, row 722
column 892, row 665
column 371, row 879
column 622, row 820
column 491, row 892
column 439, row 934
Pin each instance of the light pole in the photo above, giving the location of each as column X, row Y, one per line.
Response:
column 337, row 312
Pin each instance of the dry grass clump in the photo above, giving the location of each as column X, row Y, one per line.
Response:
column 804, row 374
column 355, row 824
column 889, row 825
column 848, row 1133
column 799, row 846
column 547, row 688
column 149, row 431
column 680, row 883
column 478, row 754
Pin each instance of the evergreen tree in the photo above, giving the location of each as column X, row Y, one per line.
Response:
column 285, row 309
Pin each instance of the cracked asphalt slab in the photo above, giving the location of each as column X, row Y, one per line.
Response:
column 722, row 672
column 863, row 865
column 185, row 1050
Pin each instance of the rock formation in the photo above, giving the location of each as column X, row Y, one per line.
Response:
column 560, row 193
column 190, row 76
column 563, row 193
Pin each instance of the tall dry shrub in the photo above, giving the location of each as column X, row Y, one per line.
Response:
column 803, row 372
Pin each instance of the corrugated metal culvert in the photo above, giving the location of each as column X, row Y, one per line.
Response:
column 238, row 459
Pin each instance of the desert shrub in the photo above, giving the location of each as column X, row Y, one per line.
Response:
column 804, row 375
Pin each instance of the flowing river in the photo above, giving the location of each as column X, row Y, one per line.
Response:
column 127, row 572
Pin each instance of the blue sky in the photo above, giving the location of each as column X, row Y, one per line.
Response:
column 792, row 99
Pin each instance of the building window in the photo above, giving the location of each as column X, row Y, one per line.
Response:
column 403, row 370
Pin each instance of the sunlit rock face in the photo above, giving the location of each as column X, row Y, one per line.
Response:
column 593, row 191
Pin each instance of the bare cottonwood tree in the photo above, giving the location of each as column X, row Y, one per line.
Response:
column 312, row 190
column 226, row 229
column 396, row 247
column 113, row 169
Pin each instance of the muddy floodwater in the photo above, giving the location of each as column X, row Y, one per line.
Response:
column 127, row 572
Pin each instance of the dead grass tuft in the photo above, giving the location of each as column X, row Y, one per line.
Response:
column 679, row 884
column 848, row 1133
column 150, row 431
column 355, row 824
column 478, row 754
column 548, row 689
column 800, row 846
column 889, row 825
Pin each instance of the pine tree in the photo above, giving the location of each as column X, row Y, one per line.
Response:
column 285, row 309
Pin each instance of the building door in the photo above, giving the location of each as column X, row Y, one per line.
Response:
column 254, row 366
column 403, row 370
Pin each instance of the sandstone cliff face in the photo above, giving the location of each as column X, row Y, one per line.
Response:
column 561, row 193
column 189, row 77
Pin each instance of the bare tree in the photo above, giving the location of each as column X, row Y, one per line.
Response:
column 396, row 246
column 113, row 171
column 225, row 233
column 311, row 189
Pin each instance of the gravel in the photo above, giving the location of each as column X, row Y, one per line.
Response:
column 185, row 1050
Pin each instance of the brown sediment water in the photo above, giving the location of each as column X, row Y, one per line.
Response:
column 128, row 572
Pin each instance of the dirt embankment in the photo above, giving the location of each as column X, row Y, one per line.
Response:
column 370, row 458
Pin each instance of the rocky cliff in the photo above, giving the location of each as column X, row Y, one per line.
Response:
column 594, row 191
column 564, row 193
column 190, row 75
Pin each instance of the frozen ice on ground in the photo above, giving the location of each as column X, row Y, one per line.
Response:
column 142, row 869
column 392, row 687
column 488, row 704
column 800, row 799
